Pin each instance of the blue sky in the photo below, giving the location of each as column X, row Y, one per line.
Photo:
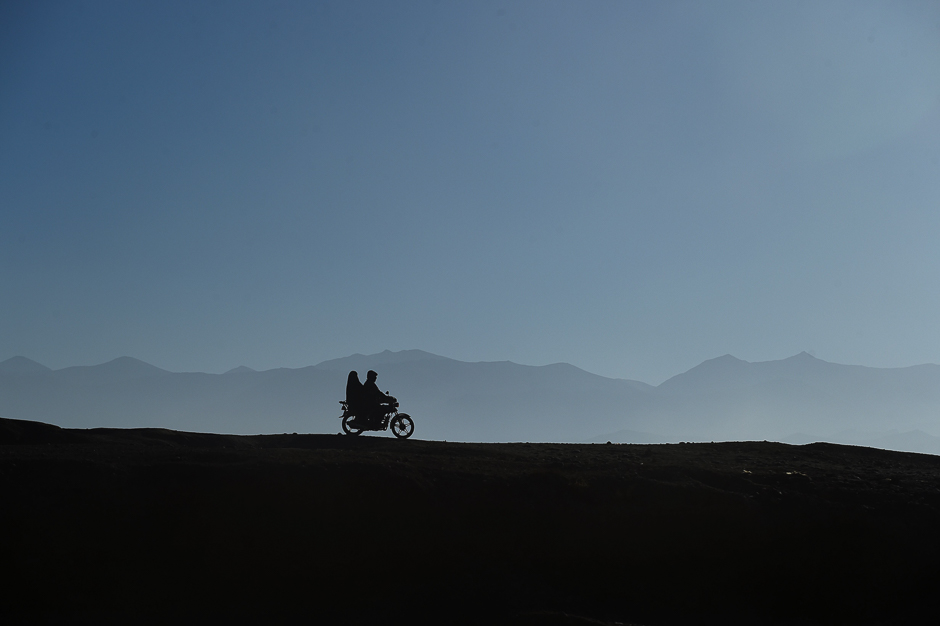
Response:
column 631, row 187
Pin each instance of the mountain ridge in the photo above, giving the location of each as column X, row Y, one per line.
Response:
column 22, row 365
column 389, row 357
column 720, row 399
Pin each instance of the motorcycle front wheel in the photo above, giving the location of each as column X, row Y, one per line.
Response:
column 402, row 426
column 350, row 430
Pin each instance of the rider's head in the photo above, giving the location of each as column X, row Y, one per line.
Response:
column 371, row 375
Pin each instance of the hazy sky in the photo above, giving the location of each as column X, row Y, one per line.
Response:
column 631, row 187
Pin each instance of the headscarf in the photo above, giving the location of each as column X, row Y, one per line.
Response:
column 353, row 388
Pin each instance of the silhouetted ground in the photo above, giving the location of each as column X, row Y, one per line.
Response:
column 153, row 525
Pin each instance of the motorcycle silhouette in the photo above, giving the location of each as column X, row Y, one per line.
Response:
column 401, row 423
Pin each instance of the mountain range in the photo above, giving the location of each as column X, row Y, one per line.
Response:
column 795, row 400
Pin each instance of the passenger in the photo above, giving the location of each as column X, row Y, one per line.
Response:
column 354, row 393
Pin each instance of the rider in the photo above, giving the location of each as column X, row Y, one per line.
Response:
column 374, row 402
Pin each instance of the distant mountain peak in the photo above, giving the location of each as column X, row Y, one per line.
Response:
column 707, row 373
column 22, row 365
column 123, row 366
column 725, row 358
column 386, row 357
column 241, row 369
column 722, row 362
column 130, row 362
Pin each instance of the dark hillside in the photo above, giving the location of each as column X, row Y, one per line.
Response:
column 129, row 525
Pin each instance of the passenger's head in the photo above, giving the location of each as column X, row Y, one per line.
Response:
column 371, row 375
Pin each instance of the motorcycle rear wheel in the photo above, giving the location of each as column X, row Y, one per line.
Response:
column 350, row 430
column 402, row 426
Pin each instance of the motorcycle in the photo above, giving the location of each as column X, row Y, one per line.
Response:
column 401, row 423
